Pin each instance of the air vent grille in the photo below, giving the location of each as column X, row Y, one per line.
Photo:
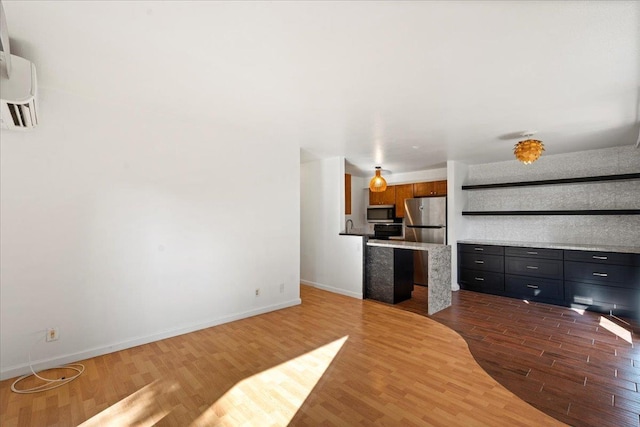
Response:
column 21, row 116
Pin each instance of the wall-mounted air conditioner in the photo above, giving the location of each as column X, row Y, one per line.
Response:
column 18, row 108
column 18, row 86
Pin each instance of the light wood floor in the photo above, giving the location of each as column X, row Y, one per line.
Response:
column 333, row 360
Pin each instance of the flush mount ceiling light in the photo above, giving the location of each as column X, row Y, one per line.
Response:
column 529, row 150
column 377, row 183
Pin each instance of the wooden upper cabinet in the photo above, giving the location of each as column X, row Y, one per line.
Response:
column 396, row 194
column 402, row 192
column 375, row 198
column 387, row 197
column 347, row 194
column 430, row 189
column 423, row 189
column 440, row 188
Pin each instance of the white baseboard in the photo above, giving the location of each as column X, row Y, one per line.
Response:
column 17, row 370
column 357, row 295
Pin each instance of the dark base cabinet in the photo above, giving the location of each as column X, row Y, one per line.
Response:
column 532, row 288
column 622, row 302
column 605, row 282
column 534, row 274
column 481, row 268
column 482, row 281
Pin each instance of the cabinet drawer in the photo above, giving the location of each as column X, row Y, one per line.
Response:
column 482, row 262
column 603, row 257
column 481, row 280
column 619, row 301
column 544, row 268
column 481, row 249
column 533, row 252
column 606, row 274
column 532, row 287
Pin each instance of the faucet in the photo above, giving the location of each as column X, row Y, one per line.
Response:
column 346, row 226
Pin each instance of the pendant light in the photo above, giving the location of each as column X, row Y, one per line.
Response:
column 528, row 150
column 377, row 183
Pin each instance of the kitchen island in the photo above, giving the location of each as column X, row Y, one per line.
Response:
column 389, row 272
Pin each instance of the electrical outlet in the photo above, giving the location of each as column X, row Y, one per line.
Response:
column 257, row 292
column 52, row 334
column 281, row 288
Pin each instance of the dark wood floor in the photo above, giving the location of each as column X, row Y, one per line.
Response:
column 567, row 364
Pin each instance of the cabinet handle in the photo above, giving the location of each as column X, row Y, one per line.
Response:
column 479, row 279
column 533, row 267
column 600, row 274
column 478, row 249
column 532, row 286
column 479, row 262
column 532, row 253
column 599, row 257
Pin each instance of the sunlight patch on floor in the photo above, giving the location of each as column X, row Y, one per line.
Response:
column 616, row 329
column 139, row 408
column 272, row 397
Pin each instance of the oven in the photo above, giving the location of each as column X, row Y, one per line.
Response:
column 384, row 231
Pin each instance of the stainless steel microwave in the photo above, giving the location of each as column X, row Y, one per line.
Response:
column 381, row 213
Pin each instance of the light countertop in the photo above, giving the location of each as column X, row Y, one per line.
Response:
column 399, row 244
column 569, row 246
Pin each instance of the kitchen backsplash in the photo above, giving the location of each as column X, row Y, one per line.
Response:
column 603, row 229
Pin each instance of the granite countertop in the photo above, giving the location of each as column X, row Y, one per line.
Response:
column 569, row 246
column 399, row 244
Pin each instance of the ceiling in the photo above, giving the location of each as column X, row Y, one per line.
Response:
column 405, row 85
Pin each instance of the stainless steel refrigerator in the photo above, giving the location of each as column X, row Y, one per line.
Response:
column 425, row 220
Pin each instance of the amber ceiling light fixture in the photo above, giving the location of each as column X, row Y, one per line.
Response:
column 528, row 150
column 377, row 183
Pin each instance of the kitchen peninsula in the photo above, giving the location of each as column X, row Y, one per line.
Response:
column 389, row 272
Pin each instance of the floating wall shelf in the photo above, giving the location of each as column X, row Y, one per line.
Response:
column 559, row 212
column 586, row 179
column 603, row 178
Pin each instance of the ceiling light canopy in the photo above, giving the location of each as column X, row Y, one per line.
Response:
column 377, row 184
column 528, row 150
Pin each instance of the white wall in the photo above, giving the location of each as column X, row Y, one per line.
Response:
column 327, row 260
column 456, row 224
column 416, row 176
column 120, row 229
